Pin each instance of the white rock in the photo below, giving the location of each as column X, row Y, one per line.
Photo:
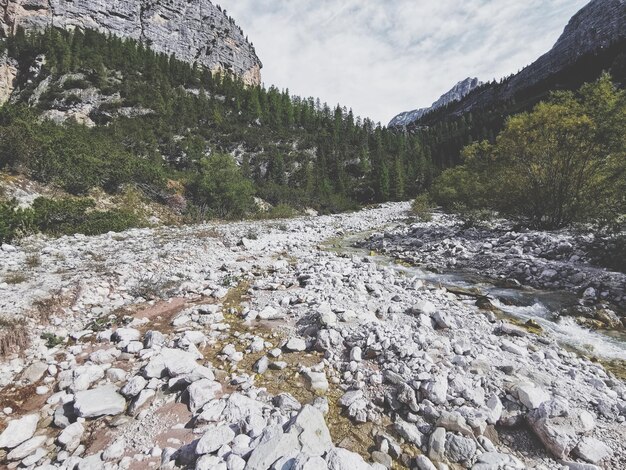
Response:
column 295, row 345
column 99, row 402
column 202, row 392
column 18, row 431
column 214, row 438
column 26, row 448
column 592, row 450
column 343, row 459
column 134, row 386
column 531, row 396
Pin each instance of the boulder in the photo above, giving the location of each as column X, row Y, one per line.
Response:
column 343, row 459
column 27, row 448
column 272, row 449
column 18, row 431
column 201, row 392
column 214, row 438
column 592, row 450
column 312, row 432
column 295, row 345
column 436, row 445
column 459, row 449
column 560, row 434
column 531, row 396
column 100, row 401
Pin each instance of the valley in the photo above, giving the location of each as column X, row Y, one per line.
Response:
column 260, row 319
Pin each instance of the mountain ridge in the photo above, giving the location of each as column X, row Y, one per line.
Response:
column 456, row 93
column 593, row 29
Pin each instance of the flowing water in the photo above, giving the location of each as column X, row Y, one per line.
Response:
column 520, row 303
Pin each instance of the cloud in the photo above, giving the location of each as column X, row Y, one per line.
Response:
column 383, row 57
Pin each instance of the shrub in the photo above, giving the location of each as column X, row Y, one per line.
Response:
column 61, row 216
column 220, row 186
column 422, row 208
column 14, row 222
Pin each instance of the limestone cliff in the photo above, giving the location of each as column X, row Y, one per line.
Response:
column 193, row 30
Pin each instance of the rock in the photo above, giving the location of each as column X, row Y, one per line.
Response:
column 560, row 434
column 513, row 348
column 18, row 431
column 34, row 372
column 437, row 390
column 270, row 313
column 273, row 448
column 205, row 34
column 287, row 402
column 454, row 422
column 214, row 438
column 592, row 450
column 26, row 448
column 317, row 382
column 350, row 397
column 424, row 463
column 304, row 462
column 494, row 405
column 531, row 396
column 114, row 451
column 380, row 457
column 459, row 449
column 497, row 461
column 326, row 316
column 356, row 354
column 342, row 459
column 153, row 339
column 126, row 335
column 100, row 401
column 172, row 362
column 134, row 386
column 436, row 445
column 71, row 435
column 425, row 307
column 261, row 366
column 312, row 432
column 202, row 392
column 295, row 345
column 442, row 320
column 409, row 432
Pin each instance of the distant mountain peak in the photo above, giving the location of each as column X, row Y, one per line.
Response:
column 456, row 93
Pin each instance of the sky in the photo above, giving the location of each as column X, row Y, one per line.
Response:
column 382, row 57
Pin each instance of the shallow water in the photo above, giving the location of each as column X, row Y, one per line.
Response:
column 520, row 303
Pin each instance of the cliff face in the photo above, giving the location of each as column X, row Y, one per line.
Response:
column 458, row 92
column 193, row 30
column 596, row 26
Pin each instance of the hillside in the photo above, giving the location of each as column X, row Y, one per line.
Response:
column 105, row 112
column 593, row 42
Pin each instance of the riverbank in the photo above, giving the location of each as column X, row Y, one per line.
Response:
column 250, row 345
column 544, row 260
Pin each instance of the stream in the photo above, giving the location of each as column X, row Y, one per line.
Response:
column 521, row 303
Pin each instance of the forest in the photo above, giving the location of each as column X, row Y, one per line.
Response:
column 291, row 150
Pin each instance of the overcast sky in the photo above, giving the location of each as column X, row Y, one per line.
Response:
column 381, row 57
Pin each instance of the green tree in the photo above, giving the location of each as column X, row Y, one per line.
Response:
column 220, row 186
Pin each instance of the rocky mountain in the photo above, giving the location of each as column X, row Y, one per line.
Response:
column 591, row 41
column 458, row 92
column 193, row 30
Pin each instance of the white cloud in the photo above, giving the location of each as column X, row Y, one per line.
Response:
column 384, row 57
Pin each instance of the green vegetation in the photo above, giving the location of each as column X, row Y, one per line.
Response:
column 164, row 120
column 562, row 163
column 62, row 217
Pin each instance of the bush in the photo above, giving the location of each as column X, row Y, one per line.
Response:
column 76, row 215
column 562, row 163
column 422, row 208
column 14, row 222
column 220, row 186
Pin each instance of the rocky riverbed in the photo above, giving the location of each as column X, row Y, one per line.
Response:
column 546, row 260
column 253, row 346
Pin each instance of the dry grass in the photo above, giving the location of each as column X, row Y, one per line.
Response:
column 33, row 261
column 15, row 277
column 14, row 337
column 54, row 305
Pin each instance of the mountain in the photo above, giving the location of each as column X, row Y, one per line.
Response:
column 458, row 92
column 593, row 41
column 195, row 31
